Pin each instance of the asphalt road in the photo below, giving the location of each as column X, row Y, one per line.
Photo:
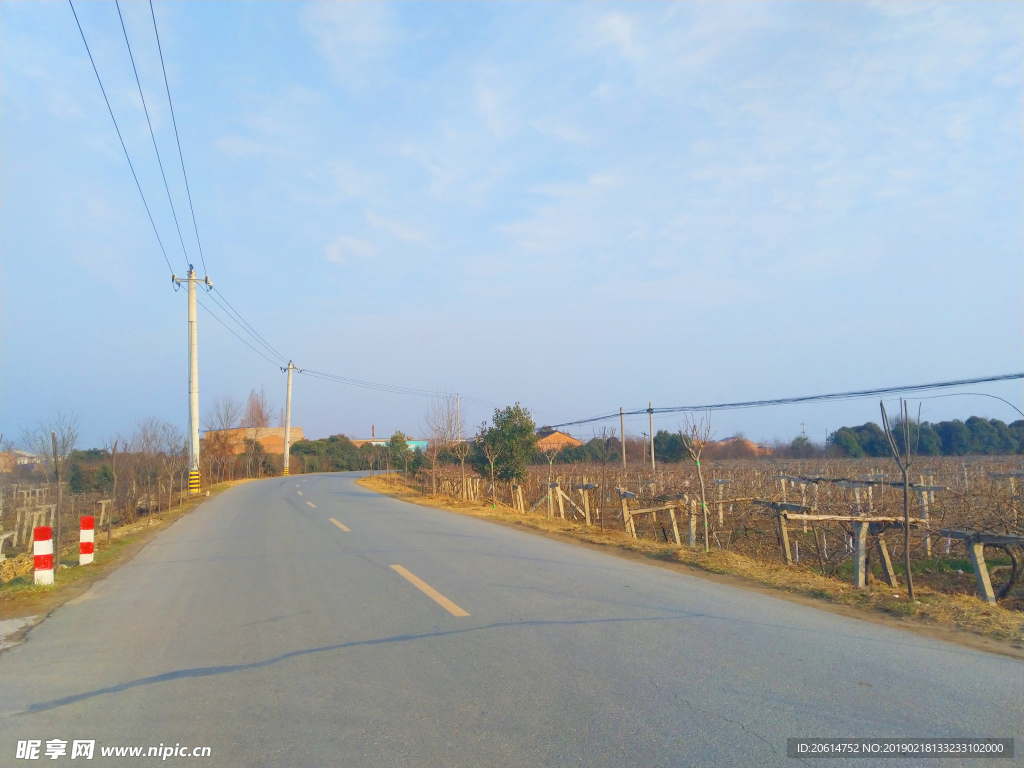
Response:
column 259, row 628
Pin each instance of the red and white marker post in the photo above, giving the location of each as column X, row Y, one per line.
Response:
column 42, row 551
column 86, row 539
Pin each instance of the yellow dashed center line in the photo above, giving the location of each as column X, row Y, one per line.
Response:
column 311, row 504
column 339, row 525
column 299, row 492
column 430, row 592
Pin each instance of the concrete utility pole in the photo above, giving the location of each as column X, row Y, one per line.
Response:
column 650, row 412
column 193, row 377
column 288, row 415
column 622, row 426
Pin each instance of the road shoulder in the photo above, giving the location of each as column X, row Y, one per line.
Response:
column 24, row 607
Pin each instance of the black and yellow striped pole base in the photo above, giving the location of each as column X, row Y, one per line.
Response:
column 285, row 471
column 193, row 481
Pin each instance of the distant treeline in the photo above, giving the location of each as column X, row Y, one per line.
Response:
column 90, row 470
column 339, row 454
column 945, row 438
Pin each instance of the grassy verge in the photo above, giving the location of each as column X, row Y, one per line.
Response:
column 19, row 594
column 957, row 614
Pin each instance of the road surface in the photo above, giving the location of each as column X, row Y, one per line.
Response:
column 306, row 621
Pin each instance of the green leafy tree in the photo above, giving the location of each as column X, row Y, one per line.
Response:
column 845, row 439
column 669, row 446
column 398, row 449
column 516, row 435
column 955, row 437
column 801, row 447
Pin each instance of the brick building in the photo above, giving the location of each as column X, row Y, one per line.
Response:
column 553, row 440
column 271, row 438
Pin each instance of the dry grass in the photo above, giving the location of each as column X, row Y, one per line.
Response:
column 931, row 608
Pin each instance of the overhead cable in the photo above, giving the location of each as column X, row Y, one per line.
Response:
column 151, row 133
column 121, row 139
column 804, row 399
column 174, row 122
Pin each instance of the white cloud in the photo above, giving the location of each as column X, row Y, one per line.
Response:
column 345, row 248
column 494, row 102
column 352, row 37
column 617, row 30
column 399, row 230
column 237, row 146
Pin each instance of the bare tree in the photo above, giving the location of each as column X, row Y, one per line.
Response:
column 53, row 441
column 224, row 414
column 173, row 455
column 550, row 454
column 147, row 450
column 492, row 448
column 460, row 447
column 258, row 416
column 442, row 429
column 695, row 436
column 38, row 440
column 904, row 459
column 258, row 412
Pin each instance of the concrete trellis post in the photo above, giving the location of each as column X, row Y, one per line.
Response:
column 691, row 534
column 721, row 515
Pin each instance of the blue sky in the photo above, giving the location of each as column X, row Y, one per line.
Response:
column 577, row 206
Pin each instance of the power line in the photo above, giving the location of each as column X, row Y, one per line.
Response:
column 151, row 134
column 229, row 330
column 229, row 309
column 176, row 138
column 120, row 138
column 805, row 399
column 251, row 330
column 371, row 385
column 976, row 394
column 255, row 336
column 389, row 387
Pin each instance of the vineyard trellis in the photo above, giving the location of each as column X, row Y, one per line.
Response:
column 831, row 515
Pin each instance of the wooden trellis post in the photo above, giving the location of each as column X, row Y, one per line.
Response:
column 883, row 557
column 675, row 526
column 780, row 509
column 584, row 491
column 627, row 519
column 976, row 542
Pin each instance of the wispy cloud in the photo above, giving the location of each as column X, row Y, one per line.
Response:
column 239, row 146
column 353, row 37
column 397, row 229
column 345, row 248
